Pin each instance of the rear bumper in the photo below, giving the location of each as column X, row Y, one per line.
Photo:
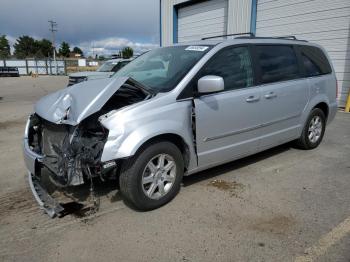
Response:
column 333, row 108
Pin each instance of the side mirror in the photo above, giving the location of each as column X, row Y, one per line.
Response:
column 210, row 84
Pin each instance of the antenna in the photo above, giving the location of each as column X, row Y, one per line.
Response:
column 53, row 29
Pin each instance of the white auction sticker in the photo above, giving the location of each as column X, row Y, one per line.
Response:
column 196, row 48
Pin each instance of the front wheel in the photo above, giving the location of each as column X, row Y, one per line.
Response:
column 313, row 131
column 152, row 177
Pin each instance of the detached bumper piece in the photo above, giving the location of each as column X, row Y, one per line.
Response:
column 45, row 201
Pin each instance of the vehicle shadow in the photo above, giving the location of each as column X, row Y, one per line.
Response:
column 234, row 165
column 84, row 200
column 79, row 200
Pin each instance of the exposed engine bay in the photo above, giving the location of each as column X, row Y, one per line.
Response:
column 72, row 154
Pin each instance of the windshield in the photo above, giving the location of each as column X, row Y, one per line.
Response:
column 107, row 67
column 161, row 69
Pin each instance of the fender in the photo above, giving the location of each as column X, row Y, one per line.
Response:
column 132, row 136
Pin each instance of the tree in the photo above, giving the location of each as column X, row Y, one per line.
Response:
column 64, row 49
column 5, row 51
column 44, row 48
column 77, row 50
column 127, row 52
column 25, row 46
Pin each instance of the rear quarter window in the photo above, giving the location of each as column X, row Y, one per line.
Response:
column 314, row 61
column 277, row 63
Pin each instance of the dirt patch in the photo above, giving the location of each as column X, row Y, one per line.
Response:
column 12, row 123
column 18, row 202
column 234, row 188
column 276, row 225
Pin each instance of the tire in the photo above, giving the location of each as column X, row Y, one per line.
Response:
column 308, row 141
column 136, row 180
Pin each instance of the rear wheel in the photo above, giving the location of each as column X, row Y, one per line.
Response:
column 152, row 177
column 313, row 131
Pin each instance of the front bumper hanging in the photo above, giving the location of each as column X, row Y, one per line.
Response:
column 45, row 201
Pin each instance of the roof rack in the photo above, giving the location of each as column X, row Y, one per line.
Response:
column 287, row 37
column 238, row 34
column 252, row 36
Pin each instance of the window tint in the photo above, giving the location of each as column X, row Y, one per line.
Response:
column 233, row 64
column 314, row 60
column 277, row 63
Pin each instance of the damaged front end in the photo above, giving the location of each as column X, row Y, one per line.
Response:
column 68, row 151
column 69, row 144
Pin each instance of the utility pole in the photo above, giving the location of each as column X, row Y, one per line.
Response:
column 53, row 29
column 93, row 53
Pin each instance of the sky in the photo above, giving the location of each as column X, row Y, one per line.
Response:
column 96, row 26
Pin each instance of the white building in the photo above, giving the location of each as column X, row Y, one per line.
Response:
column 326, row 22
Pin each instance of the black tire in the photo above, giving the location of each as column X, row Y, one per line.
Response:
column 304, row 142
column 132, row 170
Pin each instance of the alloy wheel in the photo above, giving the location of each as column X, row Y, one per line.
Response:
column 159, row 176
column 315, row 129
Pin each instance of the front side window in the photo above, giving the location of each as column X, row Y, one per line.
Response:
column 161, row 69
column 233, row 64
column 277, row 63
column 314, row 60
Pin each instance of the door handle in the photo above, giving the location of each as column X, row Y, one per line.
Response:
column 251, row 99
column 270, row 95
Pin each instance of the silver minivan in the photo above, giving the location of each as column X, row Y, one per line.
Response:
column 178, row 110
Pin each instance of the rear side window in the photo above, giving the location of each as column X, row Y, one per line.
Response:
column 314, row 60
column 277, row 63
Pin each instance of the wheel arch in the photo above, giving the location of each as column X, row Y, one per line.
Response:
column 176, row 139
column 324, row 107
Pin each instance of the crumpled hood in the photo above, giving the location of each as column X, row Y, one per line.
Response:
column 73, row 104
column 92, row 74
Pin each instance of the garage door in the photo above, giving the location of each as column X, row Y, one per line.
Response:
column 326, row 22
column 208, row 18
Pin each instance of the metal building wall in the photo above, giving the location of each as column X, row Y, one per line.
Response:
column 326, row 22
column 203, row 19
column 238, row 17
column 166, row 20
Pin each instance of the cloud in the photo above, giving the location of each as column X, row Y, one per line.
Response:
column 113, row 45
column 106, row 23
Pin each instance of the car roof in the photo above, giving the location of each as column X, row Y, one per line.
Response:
column 248, row 40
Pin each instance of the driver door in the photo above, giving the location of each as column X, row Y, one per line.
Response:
column 227, row 122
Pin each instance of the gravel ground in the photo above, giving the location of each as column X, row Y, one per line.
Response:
column 283, row 204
